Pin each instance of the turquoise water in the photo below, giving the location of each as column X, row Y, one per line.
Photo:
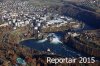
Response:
column 20, row 61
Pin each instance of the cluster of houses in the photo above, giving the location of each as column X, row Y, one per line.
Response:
column 36, row 17
column 18, row 6
column 36, row 20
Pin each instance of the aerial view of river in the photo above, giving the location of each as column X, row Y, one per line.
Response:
column 56, row 46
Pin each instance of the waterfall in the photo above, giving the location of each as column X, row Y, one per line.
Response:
column 55, row 40
column 43, row 40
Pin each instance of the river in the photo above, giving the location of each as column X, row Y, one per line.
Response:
column 56, row 46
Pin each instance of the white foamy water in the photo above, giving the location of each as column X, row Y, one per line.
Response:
column 43, row 40
column 55, row 40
